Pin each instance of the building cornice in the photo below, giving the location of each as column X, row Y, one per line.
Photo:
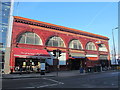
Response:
column 56, row 27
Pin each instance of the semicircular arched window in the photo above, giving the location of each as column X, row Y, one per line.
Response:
column 91, row 46
column 29, row 38
column 55, row 41
column 102, row 47
column 75, row 44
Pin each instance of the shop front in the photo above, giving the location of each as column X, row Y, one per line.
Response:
column 93, row 64
column 29, row 60
column 103, row 59
column 77, row 61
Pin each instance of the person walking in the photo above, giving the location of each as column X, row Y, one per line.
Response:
column 20, row 69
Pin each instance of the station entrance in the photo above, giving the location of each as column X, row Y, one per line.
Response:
column 77, row 63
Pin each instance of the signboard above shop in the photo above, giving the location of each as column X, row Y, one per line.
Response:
column 91, row 55
column 77, row 55
column 103, row 57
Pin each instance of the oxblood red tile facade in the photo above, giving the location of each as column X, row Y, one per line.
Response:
column 22, row 25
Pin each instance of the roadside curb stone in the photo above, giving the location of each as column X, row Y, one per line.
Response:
column 53, row 74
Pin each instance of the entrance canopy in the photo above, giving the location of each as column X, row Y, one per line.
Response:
column 30, row 53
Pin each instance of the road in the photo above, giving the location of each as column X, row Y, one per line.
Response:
column 95, row 80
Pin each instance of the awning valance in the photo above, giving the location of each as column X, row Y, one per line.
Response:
column 30, row 53
column 77, row 55
column 92, row 58
column 103, row 57
column 91, row 55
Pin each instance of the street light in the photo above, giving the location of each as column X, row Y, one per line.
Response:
column 114, row 44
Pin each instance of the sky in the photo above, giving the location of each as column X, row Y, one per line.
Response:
column 95, row 17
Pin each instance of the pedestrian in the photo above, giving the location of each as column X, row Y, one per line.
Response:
column 38, row 69
column 20, row 69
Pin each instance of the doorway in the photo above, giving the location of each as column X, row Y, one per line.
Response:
column 77, row 63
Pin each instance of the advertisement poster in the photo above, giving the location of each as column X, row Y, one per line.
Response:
column 42, row 66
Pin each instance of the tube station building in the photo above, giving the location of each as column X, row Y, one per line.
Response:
column 34, row 41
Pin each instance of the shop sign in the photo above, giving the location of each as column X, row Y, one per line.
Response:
column 91, row 55
column 20, row 52
column 103, row 57
column 77, row 55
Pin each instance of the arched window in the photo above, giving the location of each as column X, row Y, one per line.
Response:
column 91, row 46
column 75, row 44
column 102, row 47
column 29, row 38
column 55, row 41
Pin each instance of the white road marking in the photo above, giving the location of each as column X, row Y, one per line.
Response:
column 56, row 83
column 47, row 85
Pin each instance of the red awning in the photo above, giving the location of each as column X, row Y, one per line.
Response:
column 93, row 58
column 30, row 53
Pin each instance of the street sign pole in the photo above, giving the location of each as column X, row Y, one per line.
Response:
column 57, row 62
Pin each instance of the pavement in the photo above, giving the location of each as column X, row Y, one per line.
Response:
column 51, row 74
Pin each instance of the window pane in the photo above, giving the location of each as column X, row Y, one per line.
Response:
column 61, row 44
column 22, row 39
column 4, row 28
column 79, row 46
column 5, row 8
column 55, row 43
column 75, row 46
column 37, row 41
column 29, row 34
column 7, row 3
column 5, row 20
column 29, row 40
column 90, row 46
column 49, row 43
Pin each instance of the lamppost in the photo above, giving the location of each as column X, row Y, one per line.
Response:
column 114, row 50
